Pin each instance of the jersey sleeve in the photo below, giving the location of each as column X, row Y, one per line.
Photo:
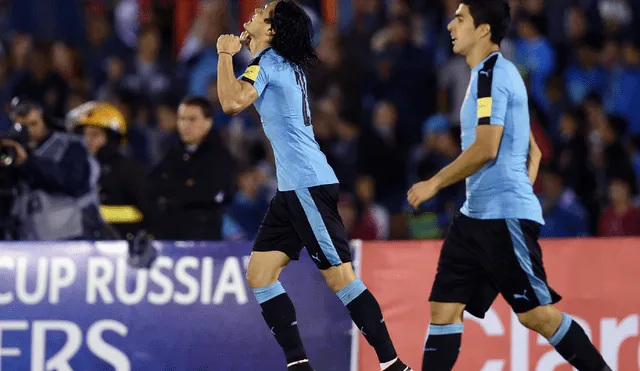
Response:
column 493, row 97
column 256, row 75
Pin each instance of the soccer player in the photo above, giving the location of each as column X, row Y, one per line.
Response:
column 492, row 245
column 304, row 210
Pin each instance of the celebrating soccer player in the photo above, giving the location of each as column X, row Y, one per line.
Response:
column 304, row 210
column 492, row 245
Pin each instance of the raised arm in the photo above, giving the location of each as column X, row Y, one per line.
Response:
column 235, row 95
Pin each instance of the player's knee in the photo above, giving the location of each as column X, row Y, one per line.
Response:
column 543, row 319
column 336, row 283
column 446, row 313
column 260, row 278
column 339, row 277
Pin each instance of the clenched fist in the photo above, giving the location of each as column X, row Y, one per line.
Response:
column 229, row 44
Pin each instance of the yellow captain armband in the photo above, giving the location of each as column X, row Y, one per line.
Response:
column 252, row 72
column 484, row 107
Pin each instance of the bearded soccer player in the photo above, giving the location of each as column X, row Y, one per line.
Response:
column 304, row 210
column 492, row 245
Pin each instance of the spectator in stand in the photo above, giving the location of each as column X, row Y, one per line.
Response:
column 46, row 19
column 577, row 27
column 8, row 78
column 189, row 189
column 534, row 55
column 616, row 15
column 340, row 75
column 21, row 47
column 439, row 148
column 41, row 83
column 342, row 147
column 397, row 58
column 453, row 81
column 608, row 155
column 199, row 50
column 623, row 96
column 65, row 62
column 621, row 217
column 115, row 72
column 585, row 74
column 147, row 75
column 250, row 203
column 563, row 212
column 557, row 102
column 164, row 134
column 137, row 135
column 101, row 46
column 539, row 125
column 364, row 200
column 617, row 161
column 611, row 54
column 570, row 157
column 121, row 183
column 382, row 154
column 359, row 223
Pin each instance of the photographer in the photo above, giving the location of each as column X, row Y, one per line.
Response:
column 57, row 195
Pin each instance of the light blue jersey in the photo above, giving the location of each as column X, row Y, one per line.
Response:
column 286, row 118
column 501, row 189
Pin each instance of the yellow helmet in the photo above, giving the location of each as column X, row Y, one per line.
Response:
column 99, row 114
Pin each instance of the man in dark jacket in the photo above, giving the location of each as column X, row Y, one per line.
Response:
column 191, row 186
column 122, row 200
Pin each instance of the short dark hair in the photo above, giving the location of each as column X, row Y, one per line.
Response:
column 293, row 34
column 201, row 102
column 24, row 106
column 495, row 13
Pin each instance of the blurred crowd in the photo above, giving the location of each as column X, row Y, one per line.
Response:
column 385, row 107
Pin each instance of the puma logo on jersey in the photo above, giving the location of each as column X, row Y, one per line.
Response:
column 523, row 296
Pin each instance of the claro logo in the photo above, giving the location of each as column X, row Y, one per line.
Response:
column 613, row 333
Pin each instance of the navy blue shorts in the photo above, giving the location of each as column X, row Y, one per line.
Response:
column 481, row 258
column 306, row 218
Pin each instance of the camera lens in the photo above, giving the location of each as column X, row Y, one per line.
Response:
column 6, row 160
column 7, row 157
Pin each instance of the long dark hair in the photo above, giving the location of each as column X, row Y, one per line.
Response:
column 293, row 34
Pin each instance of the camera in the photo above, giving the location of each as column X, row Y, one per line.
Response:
column 8, row 179
column 17, row 133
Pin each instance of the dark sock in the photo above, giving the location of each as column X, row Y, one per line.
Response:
column 572, row 343
column 367, row 315
column 280, row 315
column 442, row 347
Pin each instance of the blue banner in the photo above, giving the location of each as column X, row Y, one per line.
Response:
column 78, row 306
